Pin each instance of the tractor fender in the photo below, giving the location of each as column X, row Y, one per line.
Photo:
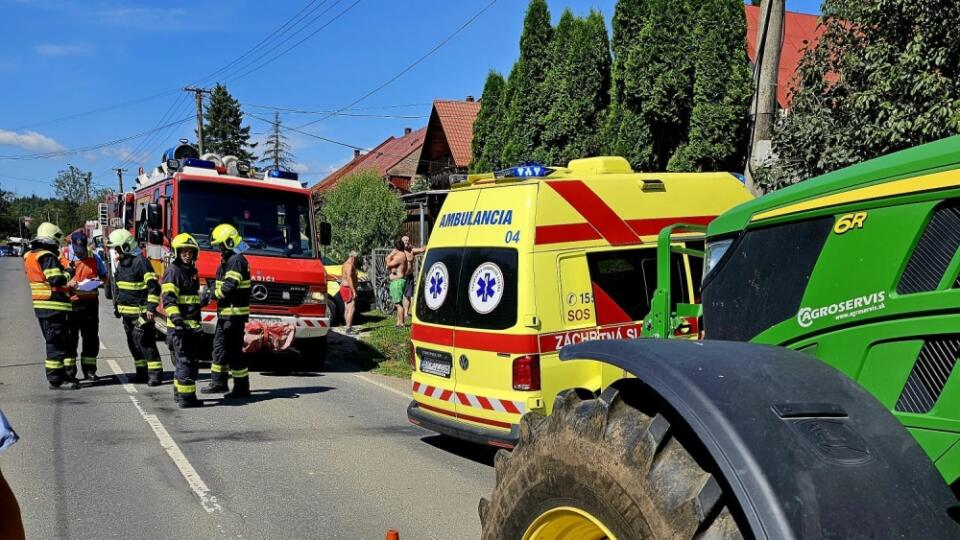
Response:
column 806, row 451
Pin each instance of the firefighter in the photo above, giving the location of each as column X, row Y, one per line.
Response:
column 81, row 265
column 181, row 302
column 50, row 291
column 137, row 294
column 232, row 291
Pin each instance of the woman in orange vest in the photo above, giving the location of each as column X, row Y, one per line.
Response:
column 82, row 266
column 50, row 290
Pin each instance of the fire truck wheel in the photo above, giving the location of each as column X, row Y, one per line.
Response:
column 602, row 468
column 332, row 312
column 313, row 353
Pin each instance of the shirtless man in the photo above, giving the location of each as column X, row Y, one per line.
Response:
column 348, row 289
column 410, row 252
column 397, row 266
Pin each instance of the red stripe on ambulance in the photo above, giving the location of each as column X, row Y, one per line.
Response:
column 597, row 213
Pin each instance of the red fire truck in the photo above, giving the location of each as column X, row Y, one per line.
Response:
column 274, row 214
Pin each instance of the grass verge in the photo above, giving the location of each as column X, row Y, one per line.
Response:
column 384, row 347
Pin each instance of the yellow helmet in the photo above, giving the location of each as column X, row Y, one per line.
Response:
column 122, row 241
column 225, row 234
column 184, row 241
column 49, row 233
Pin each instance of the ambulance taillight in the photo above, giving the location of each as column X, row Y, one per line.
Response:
column 526, row 373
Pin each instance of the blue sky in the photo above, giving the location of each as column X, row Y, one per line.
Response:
column 62, row 57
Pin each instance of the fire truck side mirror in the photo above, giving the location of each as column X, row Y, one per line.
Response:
column 326, row 234
column 154, row 216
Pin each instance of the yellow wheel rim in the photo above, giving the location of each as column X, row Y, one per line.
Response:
column 567, row 523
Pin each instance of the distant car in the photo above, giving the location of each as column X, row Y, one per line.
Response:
column 365, row 299
column 6, row 251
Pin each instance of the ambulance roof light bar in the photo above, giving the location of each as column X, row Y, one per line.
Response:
column 529, row 169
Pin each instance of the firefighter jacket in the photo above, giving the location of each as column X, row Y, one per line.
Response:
column 48, row 282
column 137, row 288
column 232, row 288
column 82, row 270
column 180, row 293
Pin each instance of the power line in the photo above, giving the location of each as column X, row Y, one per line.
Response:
column 416, row 62
column 335, row 113
column 297, row 44
column 173, row 91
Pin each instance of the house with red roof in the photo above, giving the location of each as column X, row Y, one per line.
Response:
column 447, row 144
column 799, row 31
column 395, row 160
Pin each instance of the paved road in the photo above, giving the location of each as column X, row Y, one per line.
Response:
column 311, row 455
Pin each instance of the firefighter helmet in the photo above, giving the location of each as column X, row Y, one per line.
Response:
column 184, row 241
column 49, row 233
column 122, row 241
column 226, row 235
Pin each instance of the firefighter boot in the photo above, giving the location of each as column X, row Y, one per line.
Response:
column 188, row 401
column 215, row 388
column 241, row 388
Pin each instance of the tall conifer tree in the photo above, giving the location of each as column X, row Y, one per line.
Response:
column 277, row 153
column 223, row 132
column 486, row 146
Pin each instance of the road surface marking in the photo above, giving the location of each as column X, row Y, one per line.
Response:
column 103, row 345
column 381, row 385
column 199, row 487
column 122, row 376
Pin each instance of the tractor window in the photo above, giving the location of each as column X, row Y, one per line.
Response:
column 624, row 281
column 761, row 279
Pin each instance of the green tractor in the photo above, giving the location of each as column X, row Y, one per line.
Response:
column 822, row 402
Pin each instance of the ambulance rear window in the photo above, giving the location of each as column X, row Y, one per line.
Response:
column 469, row 287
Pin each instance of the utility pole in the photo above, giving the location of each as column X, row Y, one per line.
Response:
column 198, row 92
column 87, row 178
column 120, row 177
column 766, row 69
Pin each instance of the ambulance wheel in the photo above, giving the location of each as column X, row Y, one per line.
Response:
column 602, row 468
column 313, row 352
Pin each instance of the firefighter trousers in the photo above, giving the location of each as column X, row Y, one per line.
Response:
column 142, row 342
column 55, row 327
column 85, row 322
column 228, row 352
column 184, row 345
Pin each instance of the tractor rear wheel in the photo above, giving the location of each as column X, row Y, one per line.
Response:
column 602, row 468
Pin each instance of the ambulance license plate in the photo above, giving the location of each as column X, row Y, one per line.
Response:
column 435, row 362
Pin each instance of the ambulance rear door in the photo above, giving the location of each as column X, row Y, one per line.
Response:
column 435, row 307
column 496, row 312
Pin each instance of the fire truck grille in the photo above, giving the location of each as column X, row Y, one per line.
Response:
column 278, row 294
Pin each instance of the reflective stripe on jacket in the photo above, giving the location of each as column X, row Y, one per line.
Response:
column 180, row 294
column 138, row 290
column 47, row 280
column 232, row 287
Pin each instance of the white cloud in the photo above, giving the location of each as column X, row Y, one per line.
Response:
column 123, row 153
column 301, row 168
column 29, row 140
column 54, row 50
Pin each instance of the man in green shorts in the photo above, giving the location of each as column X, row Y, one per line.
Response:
column 397, row 267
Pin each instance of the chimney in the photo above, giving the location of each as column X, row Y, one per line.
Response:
column 469, row 99
column 406, row 131
column 356, row 153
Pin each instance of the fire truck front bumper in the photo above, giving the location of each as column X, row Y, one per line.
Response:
column 306, row 327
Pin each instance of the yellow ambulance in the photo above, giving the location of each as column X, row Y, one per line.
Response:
column 524, row 262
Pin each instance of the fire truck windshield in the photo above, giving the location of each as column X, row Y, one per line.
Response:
column 273, row 223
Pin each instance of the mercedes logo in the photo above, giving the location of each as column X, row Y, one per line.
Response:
column 259, row 292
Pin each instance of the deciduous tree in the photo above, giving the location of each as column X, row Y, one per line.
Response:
column 363, row 214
